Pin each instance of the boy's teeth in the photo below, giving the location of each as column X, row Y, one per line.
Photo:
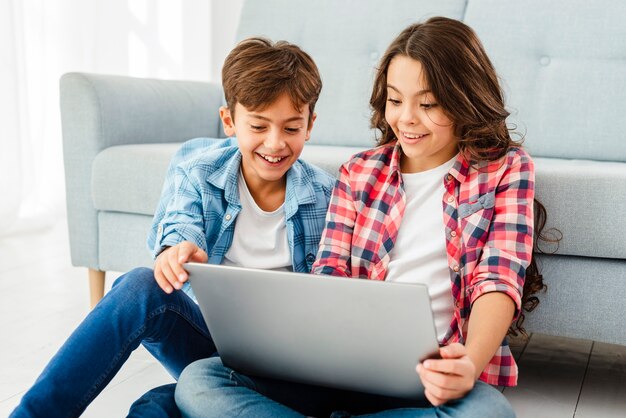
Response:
column 272, row 159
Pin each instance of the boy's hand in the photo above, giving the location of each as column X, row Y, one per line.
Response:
column 451, row 377
column 168, row 267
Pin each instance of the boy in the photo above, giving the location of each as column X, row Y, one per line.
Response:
column 244, row 201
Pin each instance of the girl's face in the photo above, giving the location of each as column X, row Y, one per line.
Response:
column 425, row 132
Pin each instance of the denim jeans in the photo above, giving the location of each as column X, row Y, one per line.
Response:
column 156, row 403
column 135, row 311
column 207, row 388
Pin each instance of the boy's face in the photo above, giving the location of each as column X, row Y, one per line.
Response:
column 270, row 140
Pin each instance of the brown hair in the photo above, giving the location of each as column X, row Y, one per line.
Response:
column 465, row 85
column 257, row 71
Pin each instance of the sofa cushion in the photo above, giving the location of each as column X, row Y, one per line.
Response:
column 585, row 199
column 129, row 178
column 563, row 66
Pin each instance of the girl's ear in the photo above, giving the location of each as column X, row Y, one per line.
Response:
column 227, row 121
column 310, row 127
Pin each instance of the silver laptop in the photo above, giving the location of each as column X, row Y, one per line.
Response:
column 360, row 335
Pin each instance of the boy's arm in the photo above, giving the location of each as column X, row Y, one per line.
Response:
column 333, row 256
column 184, row 216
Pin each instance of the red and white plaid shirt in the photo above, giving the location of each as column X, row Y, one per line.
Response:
column 488, row 218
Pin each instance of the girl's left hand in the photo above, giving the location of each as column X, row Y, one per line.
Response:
column 451, row 377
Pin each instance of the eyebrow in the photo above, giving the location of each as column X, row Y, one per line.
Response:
column 293, row 119
column 419, row 93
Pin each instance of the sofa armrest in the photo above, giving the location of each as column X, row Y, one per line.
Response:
column 101, row 111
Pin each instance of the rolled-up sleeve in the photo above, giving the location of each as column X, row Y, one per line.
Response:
column 183, row 219
column 507, row 251
column 333, row 256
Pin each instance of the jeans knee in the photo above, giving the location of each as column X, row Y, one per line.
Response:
column 196, row 380
column 483, row 401
column 139, row 278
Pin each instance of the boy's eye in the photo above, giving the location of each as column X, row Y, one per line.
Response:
column 394, row 102
column 292, row 130
column 257, row 127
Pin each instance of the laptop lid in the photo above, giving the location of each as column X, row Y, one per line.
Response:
column 360, row 335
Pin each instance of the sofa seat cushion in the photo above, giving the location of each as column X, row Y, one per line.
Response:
column 585, row 200
column 129, row 178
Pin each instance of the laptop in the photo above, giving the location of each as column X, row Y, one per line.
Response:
column 359, row 335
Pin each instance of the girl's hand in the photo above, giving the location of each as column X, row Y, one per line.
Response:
column 168, row 267
column 451, row 377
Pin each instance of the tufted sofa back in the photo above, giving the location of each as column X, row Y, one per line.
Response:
column 562, row 64
column 346, row 51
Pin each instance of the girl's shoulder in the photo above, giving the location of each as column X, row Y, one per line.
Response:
column 378, row 157
column 515, row 157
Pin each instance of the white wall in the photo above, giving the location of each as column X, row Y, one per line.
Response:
column 42, row 39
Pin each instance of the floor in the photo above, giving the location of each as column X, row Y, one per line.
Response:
column 43, row 298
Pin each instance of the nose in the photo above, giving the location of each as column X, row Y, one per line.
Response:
column 409, row 115
column 274, row 141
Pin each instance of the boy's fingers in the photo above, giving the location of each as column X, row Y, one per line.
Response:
column 169, row 275
column 162, row 281
column 199, row 256
column 178, row 272
column 185, row 249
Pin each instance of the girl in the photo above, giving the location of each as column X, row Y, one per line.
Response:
column 446, row 199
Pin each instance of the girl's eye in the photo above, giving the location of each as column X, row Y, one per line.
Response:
column 394, row 102
column 428, row 105
column 292, row 130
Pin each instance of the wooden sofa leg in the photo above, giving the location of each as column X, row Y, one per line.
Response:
column 96, row 286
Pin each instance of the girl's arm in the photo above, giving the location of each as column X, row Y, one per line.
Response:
column 496, row 287
column 488, row 324
column 455, row 374
column 333, row 256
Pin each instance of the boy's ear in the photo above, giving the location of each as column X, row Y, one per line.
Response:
column 227, row 121
column 310, row 127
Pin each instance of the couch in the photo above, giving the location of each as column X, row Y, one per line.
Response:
column 563, row 68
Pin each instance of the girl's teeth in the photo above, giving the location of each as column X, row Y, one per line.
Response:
column 413, row 136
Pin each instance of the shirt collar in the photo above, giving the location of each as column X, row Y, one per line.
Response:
column 224, row 174
column 459, row 170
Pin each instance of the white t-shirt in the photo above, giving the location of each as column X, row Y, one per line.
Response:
column 260, row 238
column 419, row 254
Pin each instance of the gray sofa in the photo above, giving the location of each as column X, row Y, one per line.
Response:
column 564, row 71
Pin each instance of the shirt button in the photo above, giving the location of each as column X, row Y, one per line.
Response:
column 450, row 199
column 160, row 229
column 310, row 258
column 453, row 234
column 449, row 177
column 227, row 217
column 456, row 269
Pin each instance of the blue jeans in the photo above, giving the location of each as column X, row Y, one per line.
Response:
column 207, row 388
column 135, row 311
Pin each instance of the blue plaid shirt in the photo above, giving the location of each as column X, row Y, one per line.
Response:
column 200, row 202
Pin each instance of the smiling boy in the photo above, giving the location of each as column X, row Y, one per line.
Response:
column 246, row 200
